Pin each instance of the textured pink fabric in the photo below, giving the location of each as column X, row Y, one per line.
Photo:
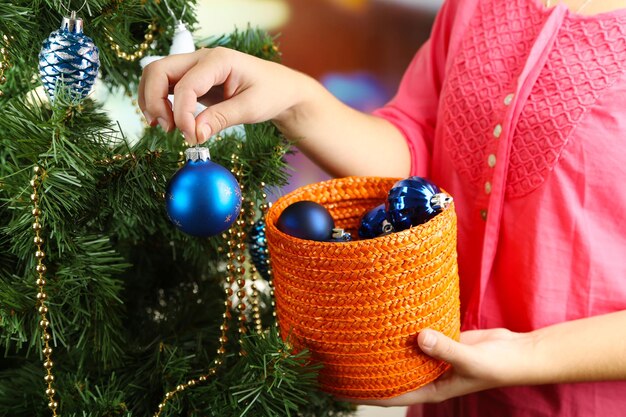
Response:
column 519, row 111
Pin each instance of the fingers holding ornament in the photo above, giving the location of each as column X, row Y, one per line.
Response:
column 155, row 97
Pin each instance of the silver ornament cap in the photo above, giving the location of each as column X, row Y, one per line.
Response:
column 440, row 201
column 197, row 153
column 72, row 24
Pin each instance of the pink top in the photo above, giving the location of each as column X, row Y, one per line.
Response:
column 519, row 111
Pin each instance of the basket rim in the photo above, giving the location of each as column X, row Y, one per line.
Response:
column 271, row 213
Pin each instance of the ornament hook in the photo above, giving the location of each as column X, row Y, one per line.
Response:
column 171, row 12
column 72, row 12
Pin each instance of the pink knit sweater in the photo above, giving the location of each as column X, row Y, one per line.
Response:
column 519, row 111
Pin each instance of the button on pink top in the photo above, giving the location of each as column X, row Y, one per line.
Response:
column 519, row 111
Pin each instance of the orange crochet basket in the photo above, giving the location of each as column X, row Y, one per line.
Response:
column 358, row 306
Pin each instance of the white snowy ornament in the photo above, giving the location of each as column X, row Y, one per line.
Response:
column 182, row 43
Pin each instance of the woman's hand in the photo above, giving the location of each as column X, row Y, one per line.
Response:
column 239, row 88
column 584, row 350
column 483, row 359
column 235, row 87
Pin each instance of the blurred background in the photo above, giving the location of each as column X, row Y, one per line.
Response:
column 358, row 49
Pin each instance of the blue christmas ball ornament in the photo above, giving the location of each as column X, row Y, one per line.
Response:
column 414, row 201
column 69, row 57
column 306, row 220
column 202, row 198
column 257, row 246
column 375, row 223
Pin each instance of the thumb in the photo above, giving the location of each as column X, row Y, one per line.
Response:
column 440, row 346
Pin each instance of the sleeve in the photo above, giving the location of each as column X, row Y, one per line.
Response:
column 414, row 108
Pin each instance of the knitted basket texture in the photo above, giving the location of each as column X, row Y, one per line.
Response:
column 358, row 306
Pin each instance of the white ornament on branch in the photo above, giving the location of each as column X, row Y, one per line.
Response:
column 182, row 43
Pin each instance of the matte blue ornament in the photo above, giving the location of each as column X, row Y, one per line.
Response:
column 257, row 246
column 69, row 57
column 202, row 198
column 375, row 223
column 306, row 220
column 414, row 201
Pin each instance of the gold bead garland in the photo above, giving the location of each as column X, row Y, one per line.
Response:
column 254, row 299
column 254, row 296
column 42, row 296
column 129, row 156
column 140, row 49
column 235, row 247
column 133, row 101
column 40, row 268
column 235, row 238
column 217, row 362
column 4, row 61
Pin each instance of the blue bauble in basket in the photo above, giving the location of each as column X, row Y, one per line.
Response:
column 306, row 220
column 70, row 58
column 202, row 198
column 414, row 201
column 375, row 223
column 332, row 298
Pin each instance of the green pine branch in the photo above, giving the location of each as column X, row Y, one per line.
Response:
column 253, row 41
column 268, row 380
column 135, row 305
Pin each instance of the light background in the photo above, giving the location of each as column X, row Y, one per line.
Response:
column 357, row 48
column 368, row 411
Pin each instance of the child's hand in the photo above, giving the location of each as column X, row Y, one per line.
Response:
column 236, row 87
column 483, row 359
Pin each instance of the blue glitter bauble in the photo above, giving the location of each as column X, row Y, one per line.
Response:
column 203, row 198
column 375, row 223
column 70, row 58
column 306, row 220
column 414, row 201
column 257, row 246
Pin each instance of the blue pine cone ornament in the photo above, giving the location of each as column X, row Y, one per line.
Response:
column 69, row 57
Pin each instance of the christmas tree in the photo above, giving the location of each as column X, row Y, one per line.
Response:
column 106, row 308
